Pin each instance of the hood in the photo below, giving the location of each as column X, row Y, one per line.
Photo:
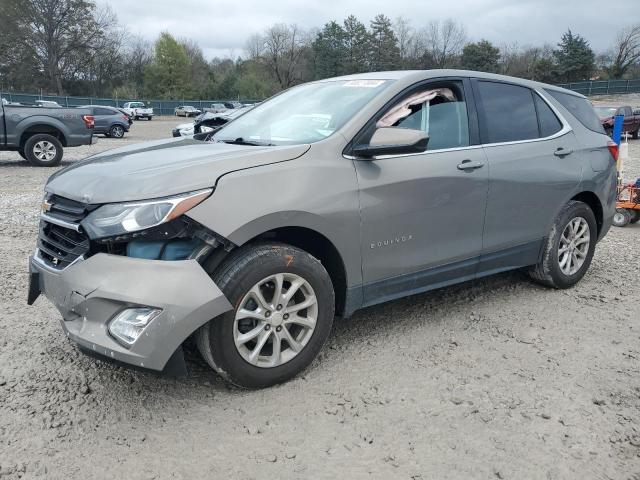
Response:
column 159, row 169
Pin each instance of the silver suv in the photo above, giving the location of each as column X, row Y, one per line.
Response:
column 329, row 197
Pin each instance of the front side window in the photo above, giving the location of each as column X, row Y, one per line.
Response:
column 440, row 111
column 304, row 114
column 509, row 113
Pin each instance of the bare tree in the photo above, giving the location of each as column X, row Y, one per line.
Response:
column 406, row 39
column 282, row 52
column 444, row 41
column 626, row 51
column 61, row 35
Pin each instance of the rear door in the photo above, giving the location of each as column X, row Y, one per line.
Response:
column 532, row 168
column 102, row 119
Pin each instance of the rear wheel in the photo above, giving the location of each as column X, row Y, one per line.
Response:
column 116, row 131
column 635, row 134
column 284, row 308
column 569, row 247
column 43, row 150
column 21, row 153
column 621, row 218
column 634, row 215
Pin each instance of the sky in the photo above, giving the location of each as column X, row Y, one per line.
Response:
column 221, row 27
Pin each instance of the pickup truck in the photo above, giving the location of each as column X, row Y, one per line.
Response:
column 39, row 134
column 631, row 123
column 137, row 110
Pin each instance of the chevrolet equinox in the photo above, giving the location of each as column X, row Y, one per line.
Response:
column 329, row 197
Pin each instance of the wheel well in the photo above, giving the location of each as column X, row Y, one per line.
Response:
column 320, row 247
column 593, row 201
column 35, row 129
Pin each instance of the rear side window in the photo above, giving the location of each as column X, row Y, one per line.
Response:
column 509, row 113
column 103, row 111
column 579, row 108
column 549, row 123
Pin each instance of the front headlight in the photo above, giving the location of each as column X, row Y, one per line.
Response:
column 122, row 218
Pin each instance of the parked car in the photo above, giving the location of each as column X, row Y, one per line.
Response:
column 216, row 108
column 631, row 123
column 109, row 121
column 129, row 117
column 388, row 184
column 47, row 104
column 186, row 111
column 138, row 110
column 39, row 134
column 208, row 122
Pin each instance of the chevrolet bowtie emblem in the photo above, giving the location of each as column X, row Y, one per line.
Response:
column 46, row 206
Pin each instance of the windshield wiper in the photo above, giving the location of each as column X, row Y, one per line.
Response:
column 242, row 141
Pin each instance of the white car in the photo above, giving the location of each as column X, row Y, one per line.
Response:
column 137, row 110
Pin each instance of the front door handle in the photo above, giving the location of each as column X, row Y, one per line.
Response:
column 468, row 165
column 562, row 152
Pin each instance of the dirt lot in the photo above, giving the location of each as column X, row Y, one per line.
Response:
column 498, row 378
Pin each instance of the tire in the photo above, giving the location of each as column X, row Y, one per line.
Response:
column 21, row 153
column 634, row 215
column 635, row 134
column 43, row 150
column 116, row 131
column 149, row 118
column 256, row 266
column 621, row 218
column 549, row 271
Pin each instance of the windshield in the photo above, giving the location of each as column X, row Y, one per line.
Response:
column 604, row 112
column 303, row 114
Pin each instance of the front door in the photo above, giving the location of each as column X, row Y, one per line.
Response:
column 422, row 214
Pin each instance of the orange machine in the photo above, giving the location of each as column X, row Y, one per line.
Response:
column 627, row 205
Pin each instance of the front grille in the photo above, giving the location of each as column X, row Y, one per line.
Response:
column 62, row 240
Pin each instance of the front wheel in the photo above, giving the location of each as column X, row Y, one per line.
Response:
column 284, row 308
column 569, row 247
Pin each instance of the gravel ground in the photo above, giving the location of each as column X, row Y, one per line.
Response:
column 498, row 378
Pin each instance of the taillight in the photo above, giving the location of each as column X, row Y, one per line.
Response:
column 125, row 118
column 88, row 121
column 613, row 149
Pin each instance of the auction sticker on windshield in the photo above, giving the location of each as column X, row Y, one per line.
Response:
column 364, row 83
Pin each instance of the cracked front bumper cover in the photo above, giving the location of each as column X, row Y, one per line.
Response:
column 91, row 292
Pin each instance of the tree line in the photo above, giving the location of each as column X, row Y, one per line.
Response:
column 72, row 47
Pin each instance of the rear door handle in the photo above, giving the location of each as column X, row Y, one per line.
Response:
column 468, row 165
column 562, row 152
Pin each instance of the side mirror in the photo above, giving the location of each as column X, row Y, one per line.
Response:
column 393, row 141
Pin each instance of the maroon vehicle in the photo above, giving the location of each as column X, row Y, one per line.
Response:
column 631, row 122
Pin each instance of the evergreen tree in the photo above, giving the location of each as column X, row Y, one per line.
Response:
column 357, row 43
column 168, row 76
column 575, row 60
column 385, row 54
column 329, row 51
column 481, row 56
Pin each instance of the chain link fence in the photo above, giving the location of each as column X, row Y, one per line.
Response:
column 604, row 87
column 160, row 107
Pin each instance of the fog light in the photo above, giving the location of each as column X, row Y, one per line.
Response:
column 127, row 326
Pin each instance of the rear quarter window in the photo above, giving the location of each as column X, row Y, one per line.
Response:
column 580, row 108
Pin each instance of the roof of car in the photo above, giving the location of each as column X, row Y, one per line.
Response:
column 411, row 76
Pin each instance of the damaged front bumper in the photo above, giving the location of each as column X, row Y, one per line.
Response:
column 90, row 293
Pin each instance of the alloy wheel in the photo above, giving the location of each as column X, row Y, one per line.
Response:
column 574, row 246
column 275, row 320
column 44, row 151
